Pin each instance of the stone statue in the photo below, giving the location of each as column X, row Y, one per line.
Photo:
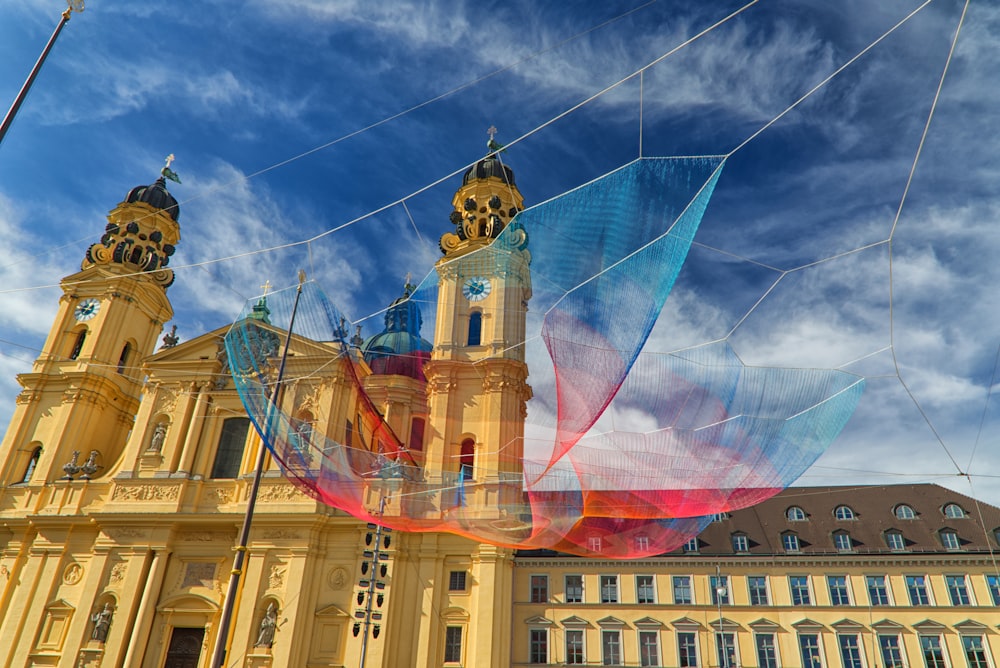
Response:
column 159, row 433
column 102, row 623
column 265, row 638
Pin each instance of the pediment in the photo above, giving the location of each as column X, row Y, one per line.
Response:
column 724, row 625
column 847, row 625
column 764, row 625
column 887, row 625
column 808, row 624
column 331, row 612
column 455, row 613
column 930, row 625
column 686, row 624
column 538, row 620
column 648, row 622
column 575, row 621
column 610, row 621
column 971, row 625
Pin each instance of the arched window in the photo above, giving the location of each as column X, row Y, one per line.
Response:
column 843, row 513
column 123, row 358
column 904, row 512
column 954, row 511
column 78, row 344
column 475, row 328
column 230, row 451
column 32, row 465
column 467, row 458
column 795, row 514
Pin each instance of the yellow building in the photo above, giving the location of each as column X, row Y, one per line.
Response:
column 125, row 474
column 126, row 471
column 830, row 577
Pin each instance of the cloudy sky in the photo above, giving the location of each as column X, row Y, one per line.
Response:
column 296, row 118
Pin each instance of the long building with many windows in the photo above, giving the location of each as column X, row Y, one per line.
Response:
column 816, row 577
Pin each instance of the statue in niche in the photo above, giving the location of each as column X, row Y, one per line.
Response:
column 268, row 625
column 159, row 433
column 102, row 623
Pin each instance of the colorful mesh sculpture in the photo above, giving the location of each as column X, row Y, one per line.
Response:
column 620, row 452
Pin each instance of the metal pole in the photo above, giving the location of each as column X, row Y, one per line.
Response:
column 221, row 640
column 720, row 591
column 371, row 584
column 12, row 112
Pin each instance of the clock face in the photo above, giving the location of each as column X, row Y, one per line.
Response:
column 476, row 288
column 87, row 309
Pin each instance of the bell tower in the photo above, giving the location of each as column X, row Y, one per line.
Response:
column 476, row 378
column 83, row 390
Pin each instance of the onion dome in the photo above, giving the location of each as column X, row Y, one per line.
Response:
column 398, row 349
column 487, row 167
column 157, row 196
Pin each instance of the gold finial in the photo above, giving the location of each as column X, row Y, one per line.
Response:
column 266, row 287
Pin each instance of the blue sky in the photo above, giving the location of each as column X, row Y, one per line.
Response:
column 264, row 105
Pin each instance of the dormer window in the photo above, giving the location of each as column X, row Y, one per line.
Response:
column 904, row 512
column 843, row 513
column 795, row 514
column 954, row 511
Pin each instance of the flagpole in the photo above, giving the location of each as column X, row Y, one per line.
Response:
column 74, row 6
column 228, row 607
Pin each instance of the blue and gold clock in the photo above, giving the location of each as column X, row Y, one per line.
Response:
column 87, row 309
column 476, row 288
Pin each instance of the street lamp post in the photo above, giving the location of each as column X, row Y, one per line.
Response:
column 720, row 591
column 73, row 6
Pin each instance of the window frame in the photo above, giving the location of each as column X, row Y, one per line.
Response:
column 795, row 589
column 894, row 536
column 576, row 654
column 458, row 581
column 940, row 661
column 844, row 513
column 915, row 591
column 838, row 539
column 879, row 593
column 650, row 588
column 761, row 593
column 234, row 446
column 764, row 661
column 683, row 647
column 538, row 640
column 611, row 652
column 993, row 586
column 982, row 661
column 611, row 585
column 815, row 659
column 644, row 658
column 688, row 587
column 716, row 581
column 740, row 542
column 725, row 642
column 453, row 644
column 857, row 658
column 892, row 656
column 953, row 542
column 691, row 546
column 567, row 588
column 790, row 542
column 795, row 514
column 538, row 588
column 846, row 593
column 904, row 511
column 958, row 587
column 949, row 511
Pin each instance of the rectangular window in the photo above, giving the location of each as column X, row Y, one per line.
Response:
column 741, row 543
column 645, row 589
column 611, row 648
column 687, row 650
column 950, row 540
column 878, row 592
column 649, row 648
column 682, row 590
column 725, row 645
column 642, row 543
column 809, row 646
column 767, row 653
column 348, row 434
column 958, row 590
column 758, row 589
column 538, row 646
column 799, row 585
column 892, row 655
column 993, row 584
column 975, row 651
column 574, row 647
column 691, row 545
column 850, row 651
column 719, row 585
column 574, row 589
column 930, row 646
column 453, row 644
column 790, row 542
column 609, row 589
column 842, row 542
column 594, row 544
column 456, row 581
column 838, row 590
column 916, row 587
column 232, row 440
column 539, row 588
column 895, row 541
